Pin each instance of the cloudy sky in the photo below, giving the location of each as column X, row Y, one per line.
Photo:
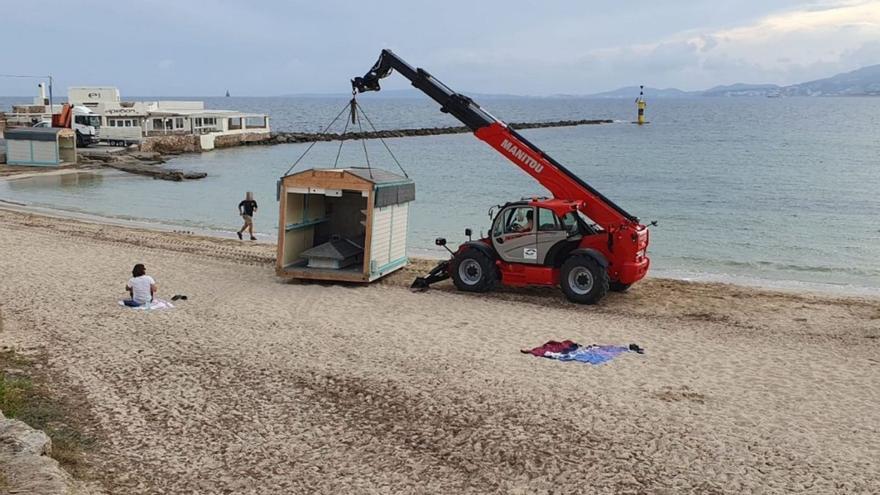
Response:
column 273, row 47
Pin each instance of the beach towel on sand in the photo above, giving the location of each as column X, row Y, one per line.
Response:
column 572, row 351
column 156, row 304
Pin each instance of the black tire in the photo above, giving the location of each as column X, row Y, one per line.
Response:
column 473, row 271
column 80, row 142
column 619, row 287
column 583, row 280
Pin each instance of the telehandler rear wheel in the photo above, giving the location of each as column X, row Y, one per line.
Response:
column 473, row 271
column 583, row 280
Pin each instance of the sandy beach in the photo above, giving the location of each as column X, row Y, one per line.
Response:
column 256, row 385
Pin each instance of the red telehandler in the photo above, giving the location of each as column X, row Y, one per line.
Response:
column 578, row 240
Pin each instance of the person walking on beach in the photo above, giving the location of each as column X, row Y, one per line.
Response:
column 141, row 287
column 246, row 209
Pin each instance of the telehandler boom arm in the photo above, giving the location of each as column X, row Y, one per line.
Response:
column 557, row 179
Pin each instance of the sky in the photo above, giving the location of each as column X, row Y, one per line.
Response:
column 274, row 47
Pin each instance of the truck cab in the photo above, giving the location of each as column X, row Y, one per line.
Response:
column 86, row 124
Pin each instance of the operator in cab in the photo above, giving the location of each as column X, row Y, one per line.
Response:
column 525, row 224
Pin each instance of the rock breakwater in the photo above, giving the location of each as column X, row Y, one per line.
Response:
column 305, row 137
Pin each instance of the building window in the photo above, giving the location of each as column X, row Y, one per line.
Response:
column 178, row 123
column 255, row 122
column 210, row 121
column 158, row 124
column 234, row 123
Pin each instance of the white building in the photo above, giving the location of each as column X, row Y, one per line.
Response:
column 130, row 122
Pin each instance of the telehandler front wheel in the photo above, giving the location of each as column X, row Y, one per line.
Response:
column 473, row 271
column 583, row 280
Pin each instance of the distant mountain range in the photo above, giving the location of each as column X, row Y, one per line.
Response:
column 860, row 82
column 633, row 91
column 402, row 93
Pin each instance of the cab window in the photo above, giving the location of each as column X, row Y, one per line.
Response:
column 569, row 221
column 517, row 220
column 547, row 220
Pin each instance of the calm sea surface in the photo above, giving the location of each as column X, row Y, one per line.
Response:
column 777, row 192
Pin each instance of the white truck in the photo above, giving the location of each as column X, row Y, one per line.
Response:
column 85, row 123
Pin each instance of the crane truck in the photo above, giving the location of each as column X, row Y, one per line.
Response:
column 578, row 240
column 79, row 118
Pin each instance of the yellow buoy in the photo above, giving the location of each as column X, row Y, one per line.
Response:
column 640, row 103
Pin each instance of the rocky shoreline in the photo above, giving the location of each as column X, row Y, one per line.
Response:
column 140, row 163
column 25, row 464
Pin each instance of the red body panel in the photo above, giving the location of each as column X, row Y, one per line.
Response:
column 521, row 274
column 625, row 272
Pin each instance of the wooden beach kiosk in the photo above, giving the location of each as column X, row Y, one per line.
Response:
column 40, row 146
column 342, row 224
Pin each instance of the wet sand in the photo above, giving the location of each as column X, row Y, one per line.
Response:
column 255, row 385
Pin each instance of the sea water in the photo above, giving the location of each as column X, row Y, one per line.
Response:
column 779, row 192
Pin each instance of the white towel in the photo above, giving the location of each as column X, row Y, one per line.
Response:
column 156, row 304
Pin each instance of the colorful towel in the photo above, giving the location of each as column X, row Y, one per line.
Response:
column 553, row 347
column 594, row 354
column 156, row 304
column 571, row 351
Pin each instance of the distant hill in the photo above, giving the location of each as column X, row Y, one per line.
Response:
column 860, row 82
column 742, row 89
column 400, row 93
column 633, row 92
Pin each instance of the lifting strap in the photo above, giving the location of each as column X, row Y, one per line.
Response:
column 355, row 111
column 314, row 142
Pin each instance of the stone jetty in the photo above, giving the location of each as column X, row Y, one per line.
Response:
column 305, row 137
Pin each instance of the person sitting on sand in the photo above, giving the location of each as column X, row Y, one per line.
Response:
column 141, row 287
column 246, row 209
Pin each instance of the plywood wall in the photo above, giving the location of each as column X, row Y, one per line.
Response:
column 388, row 243
column 300, row 208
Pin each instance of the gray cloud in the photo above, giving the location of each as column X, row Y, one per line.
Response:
column 166, row 47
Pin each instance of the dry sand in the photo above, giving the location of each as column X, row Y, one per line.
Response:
column 258, row 386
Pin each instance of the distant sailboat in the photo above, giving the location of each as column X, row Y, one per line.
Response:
column 227, row 93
